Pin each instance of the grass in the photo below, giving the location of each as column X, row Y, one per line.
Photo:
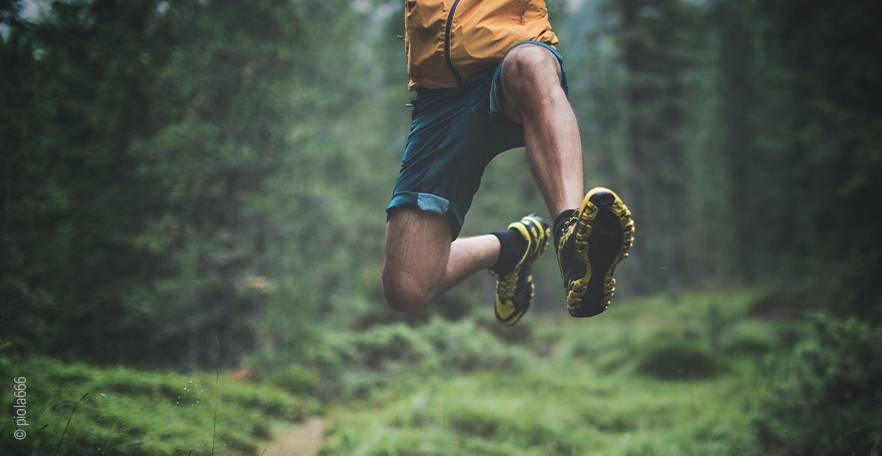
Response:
column 561, row 409
column 674, row 374
column 664, row 375
column 125, row 411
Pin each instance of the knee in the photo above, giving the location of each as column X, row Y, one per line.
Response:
column 402, row 294
column 528, row 68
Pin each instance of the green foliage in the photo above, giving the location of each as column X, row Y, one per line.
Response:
column 357, row 363
column 466, row 346
column 567, row 401
column 801, row 130
column 165, row 158
column 672, row 358
column 454, row 387
column 828, row 399
column 382, row 345
column 736, row 132
column 294, row 379
column 126, row 411
column 751, row 337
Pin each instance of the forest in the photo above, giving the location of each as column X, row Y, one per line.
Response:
column 192, row 200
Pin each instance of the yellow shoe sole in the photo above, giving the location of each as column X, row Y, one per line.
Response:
column 597, row 200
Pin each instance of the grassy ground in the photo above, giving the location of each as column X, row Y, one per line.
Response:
column 120, row 411
column 666, row 375
column 678, row 374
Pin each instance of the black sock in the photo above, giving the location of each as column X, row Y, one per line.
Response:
column 511, row 248
column 558, row 224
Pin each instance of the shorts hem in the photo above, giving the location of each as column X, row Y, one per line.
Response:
column 428, row 202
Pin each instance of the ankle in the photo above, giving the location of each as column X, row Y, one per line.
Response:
column 560, row 225
column 511, row 248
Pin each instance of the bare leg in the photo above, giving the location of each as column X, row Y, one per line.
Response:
column 467, row 256
column 532, row 96
column 421, row 263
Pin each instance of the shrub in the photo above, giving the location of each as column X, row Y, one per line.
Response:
column 828, row 400
column 521, row 429
column 466, row 346
column 672, row 358
column 351, row 364
column 749, row 337
column 380, row 345
column 459, row 346
column 295, row 379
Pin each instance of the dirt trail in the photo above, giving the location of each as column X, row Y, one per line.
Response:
column 305, row 439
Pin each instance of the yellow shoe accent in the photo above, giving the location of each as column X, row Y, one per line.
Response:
column 515, row 291
column 580, row 237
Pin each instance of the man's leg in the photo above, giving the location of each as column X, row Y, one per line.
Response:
column 420, row 261
column 592, row 233
column 533, row 97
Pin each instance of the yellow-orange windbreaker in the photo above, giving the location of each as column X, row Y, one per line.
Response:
column 447, row 41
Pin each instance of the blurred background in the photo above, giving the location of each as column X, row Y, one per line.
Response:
column 192, row 221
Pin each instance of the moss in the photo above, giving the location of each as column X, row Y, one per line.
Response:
column 671, row 358
column 132, row 412
column 749, row 337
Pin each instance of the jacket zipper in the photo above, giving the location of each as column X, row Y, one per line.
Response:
column 447, row 43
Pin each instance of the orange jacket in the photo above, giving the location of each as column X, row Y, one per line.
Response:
column 447, row 41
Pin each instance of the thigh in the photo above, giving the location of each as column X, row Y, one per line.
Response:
column 451, row 141
column 417, row 247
